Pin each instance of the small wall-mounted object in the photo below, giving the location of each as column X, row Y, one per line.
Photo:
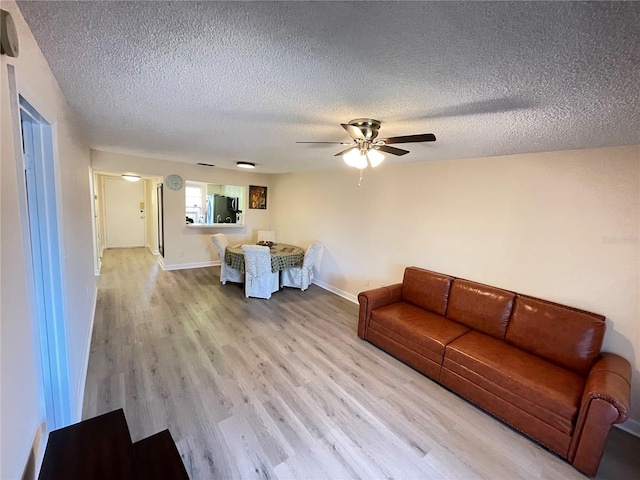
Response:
column 174, row 182
column 8, row 35
column 257, row 197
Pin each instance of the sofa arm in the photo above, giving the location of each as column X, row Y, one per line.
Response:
column 376, row 298
column 610, row 380
column 605, row 401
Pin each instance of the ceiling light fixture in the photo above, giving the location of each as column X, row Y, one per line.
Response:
column 360, row 158
column 375, row 157
column 130, row 178
column 355, row 159
column 246, row 165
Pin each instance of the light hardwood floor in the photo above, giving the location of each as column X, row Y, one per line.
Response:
column 281, row 388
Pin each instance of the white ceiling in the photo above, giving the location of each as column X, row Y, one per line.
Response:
column 218, row 82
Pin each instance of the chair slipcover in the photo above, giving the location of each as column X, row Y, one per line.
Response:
column 266, row 236
column 301, row 277
column 227, row 273
column 260, row 281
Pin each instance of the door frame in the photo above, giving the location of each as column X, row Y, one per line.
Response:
column 160, row 219
column 41, row 222
column 95, row 213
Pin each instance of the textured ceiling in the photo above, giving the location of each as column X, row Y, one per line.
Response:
column 219, row 82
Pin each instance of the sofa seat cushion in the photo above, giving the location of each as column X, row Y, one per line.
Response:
column 416, row 329
column 536, row 386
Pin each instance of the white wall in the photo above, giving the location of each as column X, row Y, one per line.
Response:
column 563, row 226
column 183, row 246
column 21, row 413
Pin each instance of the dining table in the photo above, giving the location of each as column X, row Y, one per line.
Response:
column 283, row 256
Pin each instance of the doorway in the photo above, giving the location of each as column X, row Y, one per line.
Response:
column 160, row 203
column 48, row 283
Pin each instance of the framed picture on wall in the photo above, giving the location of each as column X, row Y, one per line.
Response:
column 257, row 197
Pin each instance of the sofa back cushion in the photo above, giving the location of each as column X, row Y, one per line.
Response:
column 563, row 335
column 425, row 289
column 483, row 308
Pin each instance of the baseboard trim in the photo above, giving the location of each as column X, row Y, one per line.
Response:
column 337, row 291
column 42, row 445
column 184, row 266
column 85, row 362
column 35, row 456
column 630, row 426
column 155, row 252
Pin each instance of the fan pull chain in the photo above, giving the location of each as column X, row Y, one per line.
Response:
column 360, row 181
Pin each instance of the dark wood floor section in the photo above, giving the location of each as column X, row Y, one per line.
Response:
column 283, row 388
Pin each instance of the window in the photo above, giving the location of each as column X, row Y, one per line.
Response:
column 194, row 200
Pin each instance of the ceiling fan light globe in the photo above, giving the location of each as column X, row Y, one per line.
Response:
column 375, row 157
column 355, row 159
column 362, row 162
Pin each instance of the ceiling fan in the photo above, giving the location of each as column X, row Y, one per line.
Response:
column 365, row 149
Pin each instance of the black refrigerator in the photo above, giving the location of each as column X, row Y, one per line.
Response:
column 225, row 209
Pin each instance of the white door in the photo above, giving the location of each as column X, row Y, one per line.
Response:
column 124, row 213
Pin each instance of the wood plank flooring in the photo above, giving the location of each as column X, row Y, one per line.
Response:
column 280, row 388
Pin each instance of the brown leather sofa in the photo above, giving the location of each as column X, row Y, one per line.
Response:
column 534, row 364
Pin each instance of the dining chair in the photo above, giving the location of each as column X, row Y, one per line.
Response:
column 301, row 277
column 227, row 273
column 266, row 236
column 259, row 281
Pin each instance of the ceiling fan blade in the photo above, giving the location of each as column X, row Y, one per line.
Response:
column 353, row 131
column 391, row 150
column 425, row 137
column 345, row 151
column 333, row 143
